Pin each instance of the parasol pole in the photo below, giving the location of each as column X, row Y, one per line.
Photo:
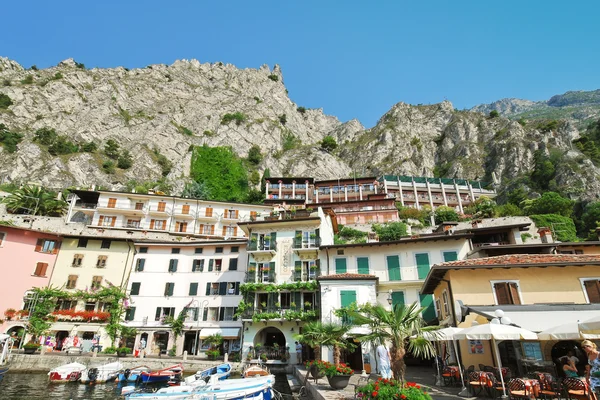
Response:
column 464, row 390
column 495, row 345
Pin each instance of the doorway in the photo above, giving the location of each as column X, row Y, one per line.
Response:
column 190, row 342
column 60, row 338
column 353, row 359
column 161, row 341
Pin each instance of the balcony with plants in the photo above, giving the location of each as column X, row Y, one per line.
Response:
column 263, row 244
column 306, row 271
column 263, row 273
column 275, row 306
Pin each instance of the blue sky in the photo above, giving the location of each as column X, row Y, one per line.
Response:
column 354, row 59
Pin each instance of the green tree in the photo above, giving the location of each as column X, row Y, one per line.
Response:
column 483, row 207
column 390, row 231
column 328, row 144
column 551, row 203
column 28, row 80
column 34, row 200
column 301, row 110
column 312, row 336
column 403, row 327
column 316, row 334
column 263, row 182
column 9, row 140
column 125, row 160
column 5, row 101
column 509, row 210
column 517, row 196
column 445, row 213
column 254, row 196
column 562, row 227
column 62, row 145
column 45, row 136
column 254, row 155
column 111, row 149
column 196, row 190
column 108, row 167
column 590, row 220
column 494, row 114
column 254, row 178
column 89, row 147
column 222, row 171
column 543, row 170
column 283, row 119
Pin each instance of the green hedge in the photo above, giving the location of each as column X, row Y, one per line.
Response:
column 563, row 227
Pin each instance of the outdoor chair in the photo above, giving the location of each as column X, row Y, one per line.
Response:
column 517, row 389
column 494, row 386
column 549, row 387
column 575, row 388
column 481, row 367
column 448, row 376
column 476, row 383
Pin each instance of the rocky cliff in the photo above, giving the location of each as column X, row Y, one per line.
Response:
column 164, row 110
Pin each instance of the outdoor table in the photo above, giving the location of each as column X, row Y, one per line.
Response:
column 532, row 387
column 455, row 371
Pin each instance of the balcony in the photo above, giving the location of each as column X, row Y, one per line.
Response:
column 128, row 210
column 161, row 211
column 264, row 248
column 207, row 217
column 86, row 206
column 306, row 276
column 285, row 313
column 260, row 276
column 179, row 212
column 306, row 247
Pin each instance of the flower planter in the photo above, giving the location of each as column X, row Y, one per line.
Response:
column 338, row 382
column 29, row 350
column 314, row 372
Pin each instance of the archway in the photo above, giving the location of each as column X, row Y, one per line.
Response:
column 272, row 342
column 562, row 349
column 16, row 333
column 60, row 338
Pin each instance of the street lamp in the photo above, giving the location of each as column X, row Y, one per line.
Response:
column 389, row 298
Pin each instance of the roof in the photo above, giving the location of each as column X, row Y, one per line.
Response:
column 20, row 228
column 438, row 271
column 368, row 179
column 289, row 179
column 347, row 276
column 408, row 239
column 495, row 227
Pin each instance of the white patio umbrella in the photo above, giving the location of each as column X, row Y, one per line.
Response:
column 590, row 326
column 447, row 334
column 568, row 331
column 496, row 332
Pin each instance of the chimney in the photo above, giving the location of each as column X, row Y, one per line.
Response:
column 545, row 235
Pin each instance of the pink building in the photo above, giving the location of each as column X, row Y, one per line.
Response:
column 26, row 261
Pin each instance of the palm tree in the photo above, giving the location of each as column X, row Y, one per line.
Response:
column 317, row 334
column 34, row 200
column 403, row 327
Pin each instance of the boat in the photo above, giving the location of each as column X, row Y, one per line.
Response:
column 163, row 375
column 255, row 370
column 221, row 371
column 4, row 346
column 134, row 374
column 259, row 388
column 66, row 373
column 102, row 373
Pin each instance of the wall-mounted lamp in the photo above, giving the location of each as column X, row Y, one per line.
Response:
column 389, row 298
column 246, row 329
column 292, row 330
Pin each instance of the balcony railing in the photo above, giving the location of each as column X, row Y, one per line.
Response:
column 262, row 246
column 260, row 276
column 312, row 243
column 299, row 276
column 279, row 313
column 90, row 206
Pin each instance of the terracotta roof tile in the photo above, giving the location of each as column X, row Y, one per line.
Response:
column 346, row 276
column 522, row 259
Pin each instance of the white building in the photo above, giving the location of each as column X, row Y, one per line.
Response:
column 201, row 277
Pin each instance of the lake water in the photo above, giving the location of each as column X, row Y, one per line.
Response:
column 36, row 386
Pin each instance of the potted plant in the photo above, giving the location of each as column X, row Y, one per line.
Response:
column 313, row 235
column 263, row 357
column 31, row 347
column 213, row 354
column 110, row 350
column 315, row 367
column 263, row 305
column 338, row 375
column 10, row 313
column 23, row 313
column 278, row 305
column 123, row 351
column 307, row 304
column 392, row 389
column 313, row 267
column 292, row 304
column 309, row 210
column 252, row 270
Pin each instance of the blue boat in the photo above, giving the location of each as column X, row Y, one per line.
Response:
column 163, row 375
column 222, row 371
column 134, row 374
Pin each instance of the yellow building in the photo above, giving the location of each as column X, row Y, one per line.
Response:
column 535, row 291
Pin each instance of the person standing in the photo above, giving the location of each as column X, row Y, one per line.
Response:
column 142, row 347
column 299, row 353
column 593, row 373
column 385, row 367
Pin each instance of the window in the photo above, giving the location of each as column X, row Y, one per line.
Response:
column 72, row 282
column 230, row 231
column 163, row 312
column 143, row 250
column 158, row 224
column 105, row 244
column 340, row 266
column 107, row 221
column 162, row 205
column 209, row 212
column 112, row 202
column 213, row 313
column 90, row 306
column 175, row 250
column 450, row 256
column 192, row 313
column 231, row 288
column 135, row 288
column 130, row 314
column 438, row 308
column 181, row 226
column 362, row 265
column 77, row 260
column 173, row 265
column 592, row 290
column 210, row 265
column 340, row 252
column 422, row 260
column 96, row 282
column 46, row 246
column 197, row 265
column 141, row 262
column 393, row 266
column 233, row 264
column 206, row 229
column 286, row 300
column 139, row 206
column 228, row 313
column 198, row 250
column 446, row 303
column 218, row 264
column 133, row 223
column 506, row 292
column 219, row 250
column 40, row 269
column 101, row 263
column 193, row 288
column 231, row 214
column 235, row 249
column 185, row 209
column 82, row 242
column 169, row 287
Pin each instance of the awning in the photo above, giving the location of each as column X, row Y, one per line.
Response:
column 227, row 333
column 62, row 327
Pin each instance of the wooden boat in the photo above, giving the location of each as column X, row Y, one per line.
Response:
column 255, row 370
column 101, row 374
column 259, row 388
column 66, row 373
column 134, row 374
column 163, row 375
column 4, row 346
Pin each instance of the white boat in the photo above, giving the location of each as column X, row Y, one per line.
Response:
column 66, row 373
column 259, row 388
column 222, row 371
column 101, row 373
column 4, row 346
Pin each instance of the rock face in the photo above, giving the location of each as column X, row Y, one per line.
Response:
column 164, row 110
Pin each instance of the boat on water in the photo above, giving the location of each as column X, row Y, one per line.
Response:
column 102, row 373
column 66, row 373
column 260, row 388
column 133, row 374
column 4, row 346
column 221, row 372
column 255, row 370
column 162, row 375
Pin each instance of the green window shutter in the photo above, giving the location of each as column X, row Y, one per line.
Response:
column 273, row 239
column 393, row 265
column 450, row 256
column 130, row 314
column 427, row 302
column 208, row 288
column 397, row 298
column 271, row 272
column 347, row 297
column 210, row 264
column 157, row 316
column 363, row 265
column 340, row 266
column 422, row 264
column 140, row 264
column 237, row 288
column 253, row 243
column 233, row 263
column 193, row 288
column 221, row 313
column 205, row 314
column 222, row 288
column 297, row 239
column 171, row 288
column 135, row 288
column 173, row 265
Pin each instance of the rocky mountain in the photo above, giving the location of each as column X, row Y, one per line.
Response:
column 163, row 111
column 579, row 107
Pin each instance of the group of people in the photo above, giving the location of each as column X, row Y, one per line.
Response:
column 592, row 369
